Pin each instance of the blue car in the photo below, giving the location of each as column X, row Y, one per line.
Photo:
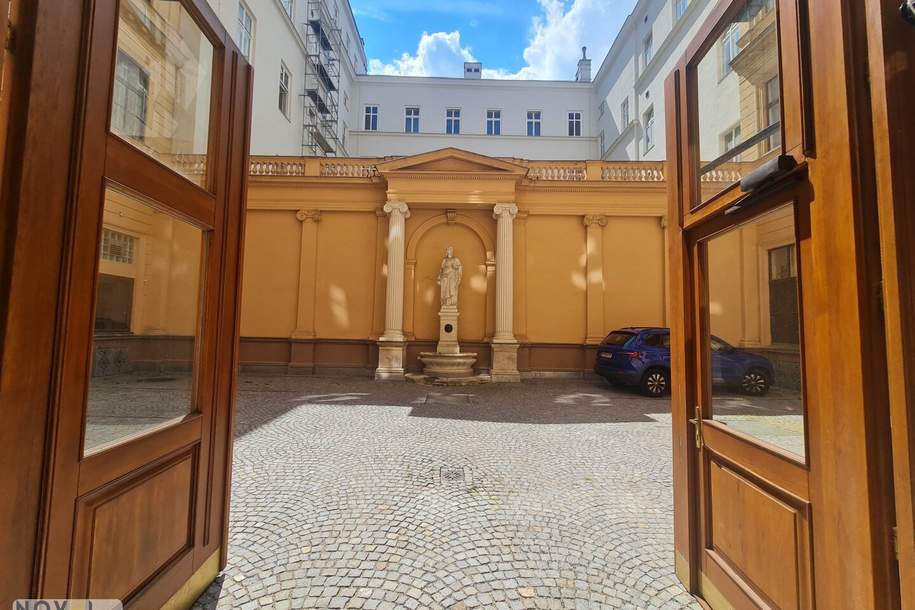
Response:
column 641, row 357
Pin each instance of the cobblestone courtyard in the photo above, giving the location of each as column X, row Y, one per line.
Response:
column 353, row 494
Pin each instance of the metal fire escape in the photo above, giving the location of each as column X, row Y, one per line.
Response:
column 322, row 82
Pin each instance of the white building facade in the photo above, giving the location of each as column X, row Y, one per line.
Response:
column 310, row 78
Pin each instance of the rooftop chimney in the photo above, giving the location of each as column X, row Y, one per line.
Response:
column 473, row 69
column 583, row 75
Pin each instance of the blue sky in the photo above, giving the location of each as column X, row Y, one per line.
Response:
column 539, row 39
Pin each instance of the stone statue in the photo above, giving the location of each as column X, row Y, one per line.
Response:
column 449, row 278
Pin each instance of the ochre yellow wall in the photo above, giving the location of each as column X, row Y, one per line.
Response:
column 270, row 282
column 331, row 232
column 555, row 270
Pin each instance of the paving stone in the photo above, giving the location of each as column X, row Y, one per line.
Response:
column 351, row 493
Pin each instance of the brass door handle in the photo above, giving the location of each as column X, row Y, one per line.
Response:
column 908, row 11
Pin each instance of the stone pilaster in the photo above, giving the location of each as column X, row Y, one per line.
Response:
column 392, row 345
column 504, row 344
column 594, row 226
column 301, row 358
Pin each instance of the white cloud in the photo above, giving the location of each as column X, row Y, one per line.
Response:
column 553, row 50
column 438, row 54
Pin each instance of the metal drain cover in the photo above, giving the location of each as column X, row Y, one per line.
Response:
column 454, row 475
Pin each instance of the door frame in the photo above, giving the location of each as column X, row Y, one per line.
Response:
column 890, row 40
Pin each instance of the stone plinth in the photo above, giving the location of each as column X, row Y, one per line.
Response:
column 505, row 362
column 448, row 331
column 391, row 355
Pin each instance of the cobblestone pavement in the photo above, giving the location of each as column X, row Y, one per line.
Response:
column 349, row 493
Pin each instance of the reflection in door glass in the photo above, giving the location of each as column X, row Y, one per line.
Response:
column 753, row 310
column 739, row 98
column 162, row 79
column 147, row 318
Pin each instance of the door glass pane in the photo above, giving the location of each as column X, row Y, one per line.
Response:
column 162, row 79
column 147, row 321
column 754, row 321
column 739, row 100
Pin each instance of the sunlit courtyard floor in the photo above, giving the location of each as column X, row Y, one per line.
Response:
column 349, row 493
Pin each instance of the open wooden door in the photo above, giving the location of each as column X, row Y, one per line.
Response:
column 135, row 339
column 781, row 420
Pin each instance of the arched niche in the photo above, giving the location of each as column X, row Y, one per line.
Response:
column 473, row 244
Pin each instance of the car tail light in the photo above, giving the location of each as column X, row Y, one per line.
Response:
column 633, row 355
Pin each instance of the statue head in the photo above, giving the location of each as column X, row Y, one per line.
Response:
column 449, row 252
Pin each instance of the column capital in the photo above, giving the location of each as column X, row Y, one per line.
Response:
column 308, row 215
column 595, row 220
column 400, row 207
column 509, row 210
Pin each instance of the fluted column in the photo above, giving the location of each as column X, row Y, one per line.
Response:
column 391, row 345
column 504, row 345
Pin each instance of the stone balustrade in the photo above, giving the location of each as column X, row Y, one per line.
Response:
column 277, row 166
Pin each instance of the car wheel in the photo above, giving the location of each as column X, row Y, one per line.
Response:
column 655, row 383
column 754, row 382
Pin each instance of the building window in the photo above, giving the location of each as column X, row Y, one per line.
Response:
column 493, row 122
column 371, row 118
column 118, row 247
column 412, row 120
column 245, row 30
column 131, row 97
column 533, row 122
column 453, row 121
column 574, row 124
column 729, row 48
column 773, row 113
column 624, row 114
column 287, row 6
column 680, row 8
column 602, row 109
column 648, row 123
column 114, row 304
column 284, row 90
column 730, row 139
column 647, row 50
column 783, row 295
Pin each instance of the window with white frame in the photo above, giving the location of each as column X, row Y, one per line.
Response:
column 533, row 122
column 371, row 118
column 647, row 50
column 131, row 98
column 493, row 122
column 411, row 123
column 680, row 7
column 285, row 77
column 624, row 114
column 729, row 48
column 574, row 123
column 453, row 121
column 773, row 113
column 288, row 6
column 648, row 127
column 730, row 138
column 602, row 109
column 245, row 30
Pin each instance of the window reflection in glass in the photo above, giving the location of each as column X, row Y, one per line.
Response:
column 162, row 81
column 147, row 318
column 738, row 89
column 753, row 309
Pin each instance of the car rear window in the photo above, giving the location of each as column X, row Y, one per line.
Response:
column 618, row 338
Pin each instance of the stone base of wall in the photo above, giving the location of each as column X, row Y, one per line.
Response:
column 360, row 357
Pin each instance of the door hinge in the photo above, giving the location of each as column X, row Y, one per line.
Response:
column 894, row 539
column 9, row 38
column 700, row 441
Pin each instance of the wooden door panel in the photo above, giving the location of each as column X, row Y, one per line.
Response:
column 131, row 530
column 759, row 536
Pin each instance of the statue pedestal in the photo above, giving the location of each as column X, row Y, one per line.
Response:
column 448, row 330
column 447, row 362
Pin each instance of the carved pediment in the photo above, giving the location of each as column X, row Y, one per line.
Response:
column 451, row 161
